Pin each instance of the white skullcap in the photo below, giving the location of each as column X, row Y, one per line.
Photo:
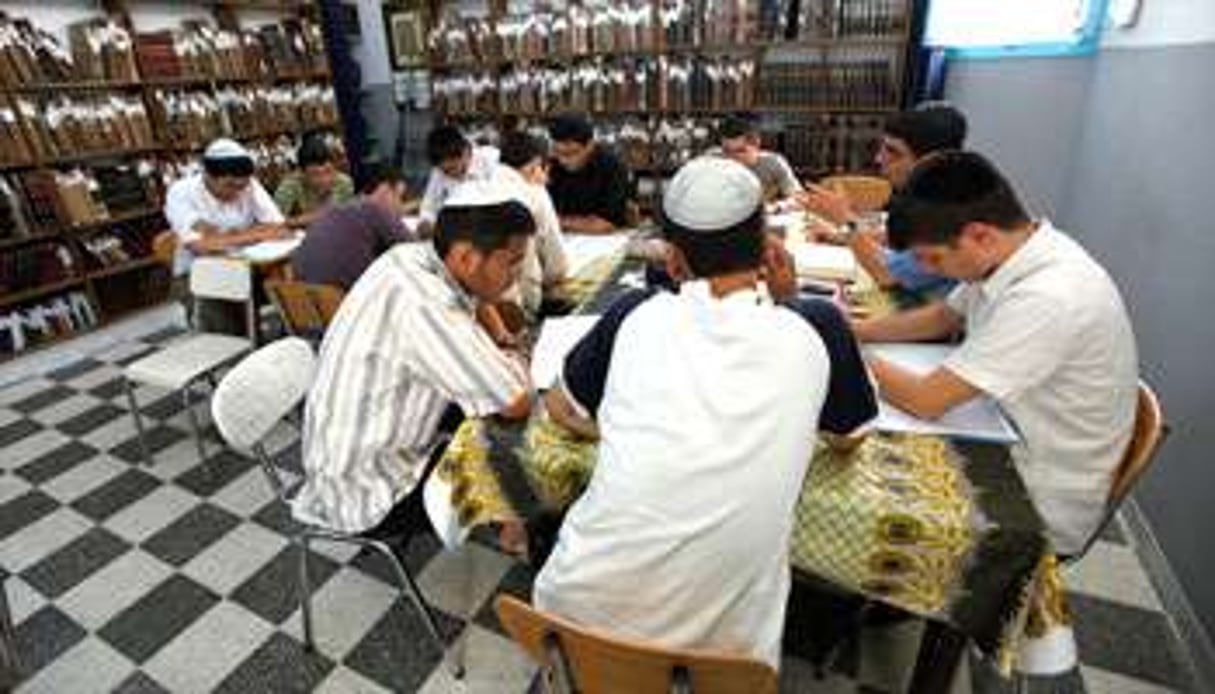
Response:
column 224, row 148
column 711, row 194
column 477, row 193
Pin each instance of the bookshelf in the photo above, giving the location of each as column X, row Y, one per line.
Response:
column 657, row 75
column 77, row 257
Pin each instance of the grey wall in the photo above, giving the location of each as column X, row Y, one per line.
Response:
column 1118, row 149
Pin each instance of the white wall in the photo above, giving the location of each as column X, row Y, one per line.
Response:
column 371, row 50
column 1166, row 23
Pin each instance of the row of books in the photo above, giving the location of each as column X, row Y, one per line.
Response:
column 192, row 118
column 104, row 49
column 641, row 26
column 45, row 321
column 855, row 79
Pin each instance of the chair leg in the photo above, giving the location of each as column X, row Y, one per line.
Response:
column 186, row 392
column 305, row 589
column 411, row 588
column 139, row 432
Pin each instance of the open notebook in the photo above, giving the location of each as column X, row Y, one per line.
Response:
column 823, row 261
column 980, row 418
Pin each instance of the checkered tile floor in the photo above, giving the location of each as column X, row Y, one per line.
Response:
column 179, row 577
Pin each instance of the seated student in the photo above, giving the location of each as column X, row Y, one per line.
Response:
column 907, row 138
column 455, row 161
column 706, row 403
column 589, row 184
column 317, row 184
column 1047, row 336
column 224, row 205
column 345, row 240
column 403, row 347
column 739, row 140
column 523, row 173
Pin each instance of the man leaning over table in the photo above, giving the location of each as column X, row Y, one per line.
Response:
column 706, row 404
column 222, row 207
column 403, row 348
column 1047, row 336
column 907, row 137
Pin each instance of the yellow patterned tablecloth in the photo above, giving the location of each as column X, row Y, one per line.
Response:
column 941, row 529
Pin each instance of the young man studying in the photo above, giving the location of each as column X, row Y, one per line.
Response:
column 907, row 137
column 405, row 346
column 706, row 403
column 1047, row 336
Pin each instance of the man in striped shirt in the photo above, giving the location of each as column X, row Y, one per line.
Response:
column 404, row 346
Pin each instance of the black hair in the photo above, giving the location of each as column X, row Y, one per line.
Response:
column 446, row 142
column 571, row 128
column 313, row 151
column 234, row 167
column 928, row 128
column 947, row 191
column 737, row 125
column 487, row 227
column 710, row 253
column 518, row 149
column 380, row 173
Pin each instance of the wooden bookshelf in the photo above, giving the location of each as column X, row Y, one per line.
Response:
column 838, row 48
column 118, row 290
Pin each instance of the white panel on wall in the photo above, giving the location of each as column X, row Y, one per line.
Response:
column 1167, row 23
column 371, row 51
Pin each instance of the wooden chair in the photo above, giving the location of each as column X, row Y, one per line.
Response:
column 1150, row 431
column 306, row 309
column 577, row 659
column 866, row 193
column 164, row 247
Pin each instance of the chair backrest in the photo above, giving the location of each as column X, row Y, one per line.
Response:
column 575, row 658
column 259, row 392
column 226, row 279
column 1149, row 432
column 306, row 308
column 866, row 193
column 164, row 247
column 1146, row 437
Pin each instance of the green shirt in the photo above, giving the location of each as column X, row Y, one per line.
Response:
column 295, row 198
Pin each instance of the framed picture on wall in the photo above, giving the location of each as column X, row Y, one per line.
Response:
column 406, row 36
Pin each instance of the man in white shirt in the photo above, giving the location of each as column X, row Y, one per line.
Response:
column 455, row 161
column 221, row 207
column 522, row 174
column 405, row 346
column 1047, row 336
column 706, row 404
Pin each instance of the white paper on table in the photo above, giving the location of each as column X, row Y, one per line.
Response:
column 583, row 249
column 823, row 261
column 270, row 251
column 979, row 418
column 789, row 223
column 557, row 337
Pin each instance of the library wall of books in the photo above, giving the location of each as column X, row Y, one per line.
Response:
column 658, row 75
column 102, row 105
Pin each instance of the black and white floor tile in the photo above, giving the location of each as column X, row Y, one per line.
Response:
column 179, row 577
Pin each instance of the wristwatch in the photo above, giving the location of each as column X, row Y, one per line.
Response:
column 849, row 229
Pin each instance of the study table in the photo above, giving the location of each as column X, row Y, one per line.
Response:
column 940, row 528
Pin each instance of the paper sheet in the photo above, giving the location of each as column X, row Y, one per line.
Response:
column 584, row 249
column 980, row 418
column 823, row 261
column 270, row 251
column 557, row 337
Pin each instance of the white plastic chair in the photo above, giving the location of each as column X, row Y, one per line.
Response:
column 182, row 364
column 251, row 400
